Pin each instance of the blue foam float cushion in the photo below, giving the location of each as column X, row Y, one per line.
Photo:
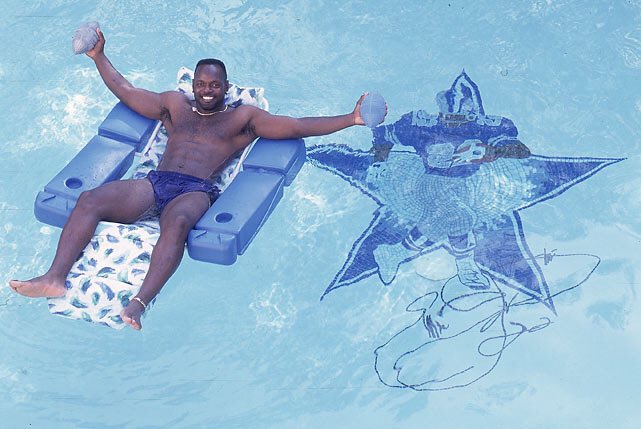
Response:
column 281, row 156
column 100, row 161
column 127, row 126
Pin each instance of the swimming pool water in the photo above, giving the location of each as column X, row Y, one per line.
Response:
column 253, row 344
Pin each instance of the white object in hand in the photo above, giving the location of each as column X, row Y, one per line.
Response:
column 84, row 38
column 373, row 109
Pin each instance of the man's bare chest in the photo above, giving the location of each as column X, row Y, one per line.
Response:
column 220, row 126
column 202, row 128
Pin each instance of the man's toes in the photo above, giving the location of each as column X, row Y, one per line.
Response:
column 131, row 322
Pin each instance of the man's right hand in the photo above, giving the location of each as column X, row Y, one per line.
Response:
column 99, row 47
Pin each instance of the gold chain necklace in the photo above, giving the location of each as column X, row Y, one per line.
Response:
column 195, row 109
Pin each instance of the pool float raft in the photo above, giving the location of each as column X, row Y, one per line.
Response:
column 111, row 268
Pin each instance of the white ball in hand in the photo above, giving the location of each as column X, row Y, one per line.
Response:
column 373, row 109
column 84, row 38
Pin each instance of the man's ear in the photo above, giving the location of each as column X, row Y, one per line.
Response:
column 226, row 86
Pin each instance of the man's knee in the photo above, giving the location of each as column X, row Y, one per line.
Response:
column 89, row 202
column 178, row 225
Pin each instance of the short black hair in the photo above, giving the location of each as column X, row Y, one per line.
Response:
column 213, row 62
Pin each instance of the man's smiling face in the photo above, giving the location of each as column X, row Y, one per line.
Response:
column 210, row 86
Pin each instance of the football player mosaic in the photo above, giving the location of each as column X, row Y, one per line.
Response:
column 455, row 181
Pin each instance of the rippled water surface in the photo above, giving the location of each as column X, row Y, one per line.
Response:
column 252, row 345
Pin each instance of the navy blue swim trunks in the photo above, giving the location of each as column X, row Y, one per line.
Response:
column 168, row 185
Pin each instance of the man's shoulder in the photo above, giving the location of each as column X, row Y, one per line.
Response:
column 174, row 101
column 247, row 111
column 246, row 108
column 174, row 96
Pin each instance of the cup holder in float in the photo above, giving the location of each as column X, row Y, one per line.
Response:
column 73, row 183
column 224, row 217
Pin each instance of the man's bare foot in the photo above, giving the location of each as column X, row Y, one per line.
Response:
column 40, row 287
column 131, row 314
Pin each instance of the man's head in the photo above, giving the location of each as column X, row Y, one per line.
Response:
column 210, row 85
column 211, row 62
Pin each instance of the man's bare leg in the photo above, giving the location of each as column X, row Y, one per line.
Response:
column 118, row 201
column 176, row 220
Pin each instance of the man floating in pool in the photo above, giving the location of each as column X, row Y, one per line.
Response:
column 202, row 135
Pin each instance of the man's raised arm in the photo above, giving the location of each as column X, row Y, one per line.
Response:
column 277, row 127
column 147, row 103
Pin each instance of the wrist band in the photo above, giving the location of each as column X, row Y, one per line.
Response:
column 140, row 301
